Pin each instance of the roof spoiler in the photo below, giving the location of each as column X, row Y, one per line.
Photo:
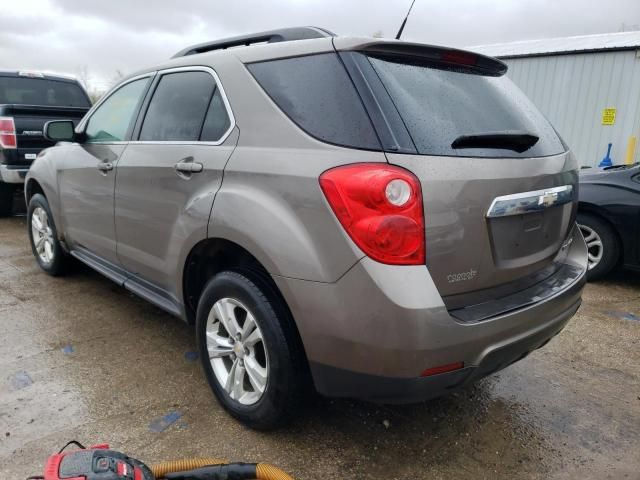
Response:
column 470, row 61
column 271, row 36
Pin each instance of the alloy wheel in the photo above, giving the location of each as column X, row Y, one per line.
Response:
column 237, row 351
column 42, row 235
column 594, row 246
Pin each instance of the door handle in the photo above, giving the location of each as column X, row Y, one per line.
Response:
column 105, row 166
column 188, row 167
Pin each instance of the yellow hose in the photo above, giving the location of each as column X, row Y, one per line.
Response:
column 264, row 471
column 159, row 470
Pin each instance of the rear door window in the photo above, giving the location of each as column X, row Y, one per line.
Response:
column 217, row 121
column 440, row 105
column 178, row 107
column 316, row 92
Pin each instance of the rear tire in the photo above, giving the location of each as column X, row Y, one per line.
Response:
column 270, row 383
column 43, row 237
column 602, row 244
column 7, row 191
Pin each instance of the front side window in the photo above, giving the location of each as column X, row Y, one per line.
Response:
column 178, row 108
column 112, row 119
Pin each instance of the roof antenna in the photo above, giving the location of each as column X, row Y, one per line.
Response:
column 404, row 22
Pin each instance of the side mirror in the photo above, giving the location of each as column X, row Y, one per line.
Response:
column 59, row 131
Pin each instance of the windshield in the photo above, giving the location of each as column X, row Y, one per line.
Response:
column 40, row 91
column 440, row 106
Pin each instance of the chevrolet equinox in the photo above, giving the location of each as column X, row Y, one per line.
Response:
column 378, row 219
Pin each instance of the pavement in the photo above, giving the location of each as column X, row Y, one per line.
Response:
column 83, row 359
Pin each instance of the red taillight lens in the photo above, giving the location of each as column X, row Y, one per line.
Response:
column 380, row 207
column 451, row 367
column 7, row 133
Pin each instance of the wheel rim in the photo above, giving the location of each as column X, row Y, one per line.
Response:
column 42, row 235
column 594, row 246
column 237, row 351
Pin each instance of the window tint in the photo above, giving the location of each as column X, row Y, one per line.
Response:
column 41, row 91
column 217, row 121
column 317, row 94
column 439, row 105
column 111, row 120
column 178, row 107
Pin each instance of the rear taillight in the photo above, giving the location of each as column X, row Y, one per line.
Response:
column 8, row 133
column 380, row 207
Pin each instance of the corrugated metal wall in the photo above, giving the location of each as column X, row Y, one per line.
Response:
column 573, row 90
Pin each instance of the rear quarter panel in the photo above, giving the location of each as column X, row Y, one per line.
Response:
column 270, row 201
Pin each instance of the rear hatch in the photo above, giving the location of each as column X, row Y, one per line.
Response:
column 498, row 184
column 33, row 101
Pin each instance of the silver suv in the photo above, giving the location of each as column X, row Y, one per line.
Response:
column 377, row 219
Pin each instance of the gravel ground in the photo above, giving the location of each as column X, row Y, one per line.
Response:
column 81, row 358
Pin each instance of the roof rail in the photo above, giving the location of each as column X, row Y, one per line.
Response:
column 271, row 36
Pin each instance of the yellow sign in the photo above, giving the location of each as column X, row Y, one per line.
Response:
column 608, row 116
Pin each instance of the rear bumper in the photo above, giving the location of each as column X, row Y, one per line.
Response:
column 15, row 163
column 13, row 174
column 344, row 383
column 372, row 333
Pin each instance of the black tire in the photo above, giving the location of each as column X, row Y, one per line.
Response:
column 60, row 260
column 610, row 244
column 285, row 384
column 7, row 192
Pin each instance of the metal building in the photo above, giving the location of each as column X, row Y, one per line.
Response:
column 587, row 86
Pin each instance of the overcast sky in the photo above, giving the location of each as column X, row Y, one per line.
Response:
column 106, row 36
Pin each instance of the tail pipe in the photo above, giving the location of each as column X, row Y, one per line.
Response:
column 213, row 469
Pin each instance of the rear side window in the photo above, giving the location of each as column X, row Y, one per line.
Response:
column 439, row 106
column 178, row 107
column 316, row 93
column 41, row 91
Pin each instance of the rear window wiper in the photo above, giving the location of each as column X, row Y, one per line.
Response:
column 507, row 140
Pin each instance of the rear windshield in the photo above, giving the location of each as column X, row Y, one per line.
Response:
column 40, row 91
column 439, row 106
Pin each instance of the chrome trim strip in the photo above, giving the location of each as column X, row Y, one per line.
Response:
column 527, row 202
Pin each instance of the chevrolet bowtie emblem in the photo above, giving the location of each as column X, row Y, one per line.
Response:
column 547, row 199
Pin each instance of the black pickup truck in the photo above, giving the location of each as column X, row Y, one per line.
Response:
column 27, row 101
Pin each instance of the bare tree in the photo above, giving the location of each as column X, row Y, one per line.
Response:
column 84, row 76
column 117, row 76
column 629, row 28
column 87, row 80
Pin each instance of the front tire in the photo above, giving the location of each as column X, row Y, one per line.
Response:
column 247, row 346
column 602, row 245
column 43, row 237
